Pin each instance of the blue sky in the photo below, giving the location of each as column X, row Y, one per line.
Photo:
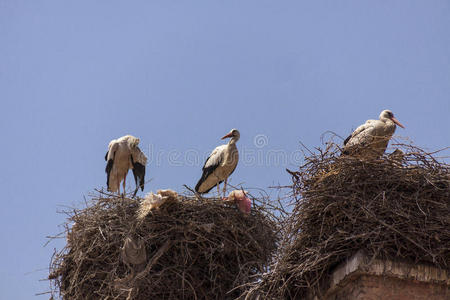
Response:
column 181, row 74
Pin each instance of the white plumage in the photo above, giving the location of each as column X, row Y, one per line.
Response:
column 154, row 201
column 220, row 164
column 371, row 139
column 124, row 154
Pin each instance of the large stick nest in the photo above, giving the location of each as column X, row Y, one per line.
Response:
column 395, row 207
column 191, row 249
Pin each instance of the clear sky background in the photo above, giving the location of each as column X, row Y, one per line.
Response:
column 181, row 74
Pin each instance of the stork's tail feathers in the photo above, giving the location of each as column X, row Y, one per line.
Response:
column 199, row 183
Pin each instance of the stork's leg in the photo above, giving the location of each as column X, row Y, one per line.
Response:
column 225, row 187
column 124, row 182
column 218, row 189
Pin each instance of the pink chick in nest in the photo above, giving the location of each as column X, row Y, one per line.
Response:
column 239, row 197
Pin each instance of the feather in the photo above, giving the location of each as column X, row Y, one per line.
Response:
column 212, row 162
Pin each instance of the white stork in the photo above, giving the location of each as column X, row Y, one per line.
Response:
column 371, row 138
column 124, row 154
column 219, row 165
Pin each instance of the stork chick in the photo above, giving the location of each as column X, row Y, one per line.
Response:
column 371, row 139
column 148, row 203
column 397, row 157
column 171, row 195
column 154, row 201
column 219, row 165
column 239, row 197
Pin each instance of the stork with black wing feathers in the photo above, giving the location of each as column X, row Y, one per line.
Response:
column 370, row 139
column 124, row 154
column 220, row 164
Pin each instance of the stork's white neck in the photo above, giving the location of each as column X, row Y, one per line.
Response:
column 233, row 141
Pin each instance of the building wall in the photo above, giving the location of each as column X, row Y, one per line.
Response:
column 361, row 277
column 373, row 287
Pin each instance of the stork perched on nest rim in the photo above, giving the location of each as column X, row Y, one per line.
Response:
column 219, row 165
column 371, row 138
column 124, row 154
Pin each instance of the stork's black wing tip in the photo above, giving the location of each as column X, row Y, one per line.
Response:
column 139, row 175
column 347, row 139
column 109, row 166
column 141, row 183
column 197, row 187
column 108, row 169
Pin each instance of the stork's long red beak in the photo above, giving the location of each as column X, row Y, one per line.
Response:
column 397, row 122
column 230, row 135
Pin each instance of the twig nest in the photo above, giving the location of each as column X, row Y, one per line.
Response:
column 71, row 233
column 189, row 249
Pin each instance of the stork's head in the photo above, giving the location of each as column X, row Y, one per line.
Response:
column 134, row 141
column 387, row 114
column 233, row 134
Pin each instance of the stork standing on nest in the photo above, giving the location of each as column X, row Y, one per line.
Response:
column 219, row 165
column 124, row 154
column 371, row 139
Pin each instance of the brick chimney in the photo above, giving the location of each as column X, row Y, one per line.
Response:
column 361, row 277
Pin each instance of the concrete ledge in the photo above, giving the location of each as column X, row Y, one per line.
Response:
column 362, row 278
